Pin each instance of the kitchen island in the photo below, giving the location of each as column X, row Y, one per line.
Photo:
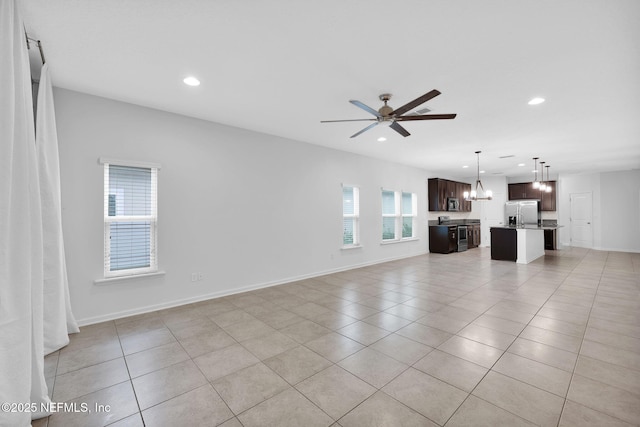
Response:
column 522, row 244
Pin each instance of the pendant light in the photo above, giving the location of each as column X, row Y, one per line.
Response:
column 474, row 195
column 542, row 186
column 548, row 189
column 536, row 183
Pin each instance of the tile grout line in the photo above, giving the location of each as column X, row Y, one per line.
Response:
column 129, row 374
column 573, row 373
column 507, row 349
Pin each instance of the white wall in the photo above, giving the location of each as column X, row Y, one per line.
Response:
column 280, row 202
column 620, row 196
column 616, row 208
column 492, row 211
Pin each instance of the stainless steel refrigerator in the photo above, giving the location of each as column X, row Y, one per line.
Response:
column 523, row 213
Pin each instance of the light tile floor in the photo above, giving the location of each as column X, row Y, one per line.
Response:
column 448, row 340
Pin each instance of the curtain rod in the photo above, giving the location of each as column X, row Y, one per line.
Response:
column 37, row 42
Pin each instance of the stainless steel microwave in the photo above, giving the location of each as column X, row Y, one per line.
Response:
column 453, row 204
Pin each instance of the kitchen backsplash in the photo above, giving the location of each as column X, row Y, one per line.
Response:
column 453, row 215
column 431, row 216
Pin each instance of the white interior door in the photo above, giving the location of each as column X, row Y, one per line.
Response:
column 581, row 218
column 492, row 216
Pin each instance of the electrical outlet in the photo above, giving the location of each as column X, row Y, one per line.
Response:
column 194, row 277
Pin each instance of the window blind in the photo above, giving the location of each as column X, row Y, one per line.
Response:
column 389, row 215
column 408, row 213
column 350, row 216
column 130, row 218
column 399, row 211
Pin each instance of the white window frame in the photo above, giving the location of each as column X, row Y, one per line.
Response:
column 355, row 217
column 412, row 215
column 152, row 219
column 394, row 215
column 399, row 216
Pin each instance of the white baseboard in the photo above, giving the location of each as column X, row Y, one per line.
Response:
column 606, row 249
column 175, row 303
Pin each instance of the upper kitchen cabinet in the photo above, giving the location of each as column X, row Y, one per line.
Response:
column 461, row 187
column 440, row 190
column 525, row 191
column 548, row 200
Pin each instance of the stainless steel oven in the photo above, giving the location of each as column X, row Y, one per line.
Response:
column 463, row 241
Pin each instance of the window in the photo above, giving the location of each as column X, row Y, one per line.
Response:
column 389, row 215
column 398, row 215
column 130, row 219
column 350, row 216
column 408, row 214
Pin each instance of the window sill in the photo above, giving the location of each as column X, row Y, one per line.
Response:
column 346, row 248
column 391, row 242
column 109, row 280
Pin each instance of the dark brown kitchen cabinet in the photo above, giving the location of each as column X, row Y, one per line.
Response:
column 461, row 187
column 504, row 243
column 548, row 200
column 525, row 191
column 516, row 191
column 443, row 239
column 441, row 189
column 473, row 235
column 550, row 239
column 437, row 189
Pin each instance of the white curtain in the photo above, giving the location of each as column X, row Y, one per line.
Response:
column 21, row 236
column 58, row 318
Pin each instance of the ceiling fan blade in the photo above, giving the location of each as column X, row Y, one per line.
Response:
column 365, row 107
column 413, row 104
column 402, row 131
column 364, row 130
column 427, row 117
column 348, row 120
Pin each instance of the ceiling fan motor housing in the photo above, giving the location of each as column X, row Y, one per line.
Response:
column 385, row 111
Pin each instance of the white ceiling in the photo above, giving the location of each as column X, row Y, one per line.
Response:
column 281, row 66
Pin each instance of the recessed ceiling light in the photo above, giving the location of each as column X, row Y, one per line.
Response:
column 481, row 171
column 465, row 166
column 191, row 81
column 520, row 164
column 536, row 101
column 382, row 139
